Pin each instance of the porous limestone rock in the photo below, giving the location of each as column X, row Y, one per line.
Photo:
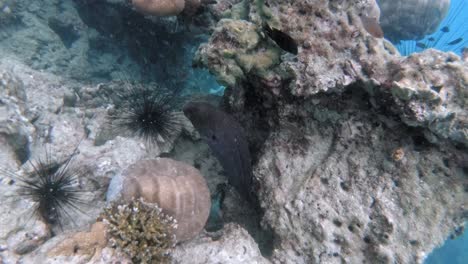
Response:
column 334, row 52
column 348, row 184
column 429, row 90
column 14, row 128
column 233, row 245
column 361, row 153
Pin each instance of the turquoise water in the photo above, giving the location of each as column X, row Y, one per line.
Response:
column 455, row 22
column 454, row 251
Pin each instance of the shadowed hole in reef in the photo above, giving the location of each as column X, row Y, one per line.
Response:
column 67, row 32
column 420, row 142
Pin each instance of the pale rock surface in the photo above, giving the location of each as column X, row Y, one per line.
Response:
column 38, row 101
column 232, row 246
column 34, row 102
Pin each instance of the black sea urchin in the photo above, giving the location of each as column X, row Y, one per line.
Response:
column 53, row 186
column 147, row 112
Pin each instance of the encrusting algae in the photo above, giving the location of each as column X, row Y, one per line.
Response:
column 141, row 231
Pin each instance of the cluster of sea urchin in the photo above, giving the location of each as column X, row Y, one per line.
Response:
column 148, row 112
column 140, row 230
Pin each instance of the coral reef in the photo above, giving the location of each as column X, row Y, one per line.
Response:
column 335, row 55
column 361, row 153
column 141, row 230
column 341, row 189
column 176, row 187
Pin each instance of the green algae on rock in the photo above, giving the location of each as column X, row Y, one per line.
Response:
column 242, row 52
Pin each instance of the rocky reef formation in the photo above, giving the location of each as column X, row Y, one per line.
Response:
column 40, row 112
column 361, row 153
column 335, row 52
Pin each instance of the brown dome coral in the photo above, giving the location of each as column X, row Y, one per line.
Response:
column 178, row 188
column 166, row 7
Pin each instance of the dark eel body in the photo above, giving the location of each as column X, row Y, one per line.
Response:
column 226, row 138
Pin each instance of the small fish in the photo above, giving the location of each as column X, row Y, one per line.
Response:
column 421, row 45
column 445, row 29
column 464, row 52
column 371, row 24
column 283, row 40
column 431, row 39
column 453, row 42
column 226, row 139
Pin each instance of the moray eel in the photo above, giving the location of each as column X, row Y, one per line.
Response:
column 227, row 140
